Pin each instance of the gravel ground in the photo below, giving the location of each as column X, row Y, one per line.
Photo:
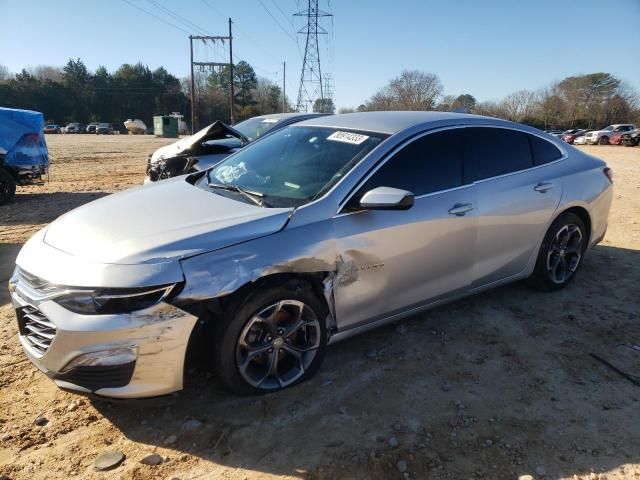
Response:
column 500, row 385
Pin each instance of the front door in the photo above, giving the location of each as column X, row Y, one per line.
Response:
column 393, row 260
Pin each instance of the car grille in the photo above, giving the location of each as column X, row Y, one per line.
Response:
column 36, row 329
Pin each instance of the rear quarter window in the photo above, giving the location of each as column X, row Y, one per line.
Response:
column 543, row 151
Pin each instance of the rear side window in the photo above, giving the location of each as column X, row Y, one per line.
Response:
column 428, row 164
column 543, row 151
column 496, row 151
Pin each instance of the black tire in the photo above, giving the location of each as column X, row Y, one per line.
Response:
column 7, row 187
column 553, row 257
column 238, row 364
column 603, row 141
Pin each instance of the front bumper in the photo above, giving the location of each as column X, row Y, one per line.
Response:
column 159, row 335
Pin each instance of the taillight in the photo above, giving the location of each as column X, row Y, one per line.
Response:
column 608, row 173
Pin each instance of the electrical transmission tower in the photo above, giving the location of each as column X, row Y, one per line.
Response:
column 311, row 80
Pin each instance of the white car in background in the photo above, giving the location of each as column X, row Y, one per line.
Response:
column 581, row 140
column 601, row 137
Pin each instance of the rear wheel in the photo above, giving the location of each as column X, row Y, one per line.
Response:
column 275, row 340
column 603, row 141
column 560, row 254
column 7, row 187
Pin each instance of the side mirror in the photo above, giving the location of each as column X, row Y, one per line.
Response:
column 387, row 198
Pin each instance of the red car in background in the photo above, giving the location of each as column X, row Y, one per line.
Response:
column 614, row 138
column 570, row 135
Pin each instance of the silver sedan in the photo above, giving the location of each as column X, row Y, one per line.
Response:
column 320, row 231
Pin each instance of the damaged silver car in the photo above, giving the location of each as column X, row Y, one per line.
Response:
column 209, row 146
column 319, row 231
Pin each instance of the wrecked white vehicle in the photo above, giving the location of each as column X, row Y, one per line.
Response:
column 209, row 146
column 319, row 231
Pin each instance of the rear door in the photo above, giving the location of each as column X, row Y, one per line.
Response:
column 394, row 260
column 518, row 189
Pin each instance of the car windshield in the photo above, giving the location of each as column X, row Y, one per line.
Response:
column 609, row 128
column 255, row 127
column 294, row 165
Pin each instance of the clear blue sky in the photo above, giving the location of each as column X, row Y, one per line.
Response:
column 488, row 48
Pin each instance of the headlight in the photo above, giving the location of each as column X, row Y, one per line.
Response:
column 107, row 301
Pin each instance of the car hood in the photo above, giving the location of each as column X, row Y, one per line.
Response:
column 160, row 221
column 190, row 145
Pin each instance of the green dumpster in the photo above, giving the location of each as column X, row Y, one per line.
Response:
column 165, row 126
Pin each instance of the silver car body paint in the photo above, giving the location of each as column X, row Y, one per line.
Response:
column 376, row 266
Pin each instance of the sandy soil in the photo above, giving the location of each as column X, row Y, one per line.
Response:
column 497, row 386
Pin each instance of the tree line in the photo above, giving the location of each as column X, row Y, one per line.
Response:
column 582, row 101
column 73, row 93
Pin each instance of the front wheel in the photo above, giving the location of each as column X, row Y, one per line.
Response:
column 276, row 339
column 603, row 141
column 560, row 254
column 7, row 187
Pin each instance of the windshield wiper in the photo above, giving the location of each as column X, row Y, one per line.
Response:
column 251, row 195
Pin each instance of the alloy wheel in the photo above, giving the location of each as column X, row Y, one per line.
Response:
column 278, row 344
column 565, row 253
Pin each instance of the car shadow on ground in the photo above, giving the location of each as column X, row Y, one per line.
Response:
column 494, row 386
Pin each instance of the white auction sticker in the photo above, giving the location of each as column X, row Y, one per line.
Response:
column 347, row 137
column 270, row 120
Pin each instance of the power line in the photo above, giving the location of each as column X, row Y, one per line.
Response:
column 278, row 23
column 243, row 32
column 155, row 16
column 187, row 23
column 290, row 20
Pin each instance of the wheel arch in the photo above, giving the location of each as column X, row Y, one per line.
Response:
column 217, row 309
column 582, row 213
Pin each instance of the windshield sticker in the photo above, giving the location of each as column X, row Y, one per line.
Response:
column 270, row 120
column 347, row 137
column 291, row 185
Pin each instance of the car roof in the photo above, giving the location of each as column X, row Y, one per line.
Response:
column 390, row 122
column 281, row 116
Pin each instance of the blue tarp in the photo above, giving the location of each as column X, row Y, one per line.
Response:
column 15, row 123
column 22, row 137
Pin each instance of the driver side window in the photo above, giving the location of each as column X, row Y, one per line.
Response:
column 429, row 164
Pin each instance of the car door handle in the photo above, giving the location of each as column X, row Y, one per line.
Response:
column 460, row 209
column 542, row 187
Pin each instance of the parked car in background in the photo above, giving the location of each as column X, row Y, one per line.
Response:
column 570, row 135
column 214, row 143
column 104, row 129
column 319, row 231
column 580, row 140
column 555, row 133
column 601, row 137
column 24, row 158
column 630, row 139
column 91, row 128
column 614, row 138
column 52, row 128
column 73, row 127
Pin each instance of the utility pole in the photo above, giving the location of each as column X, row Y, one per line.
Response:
column 193, row 95
column 231, row 73
column 311, row 87
column 211, row 66
column 284, row 87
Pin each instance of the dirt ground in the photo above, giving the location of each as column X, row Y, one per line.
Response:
column 497, row 386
